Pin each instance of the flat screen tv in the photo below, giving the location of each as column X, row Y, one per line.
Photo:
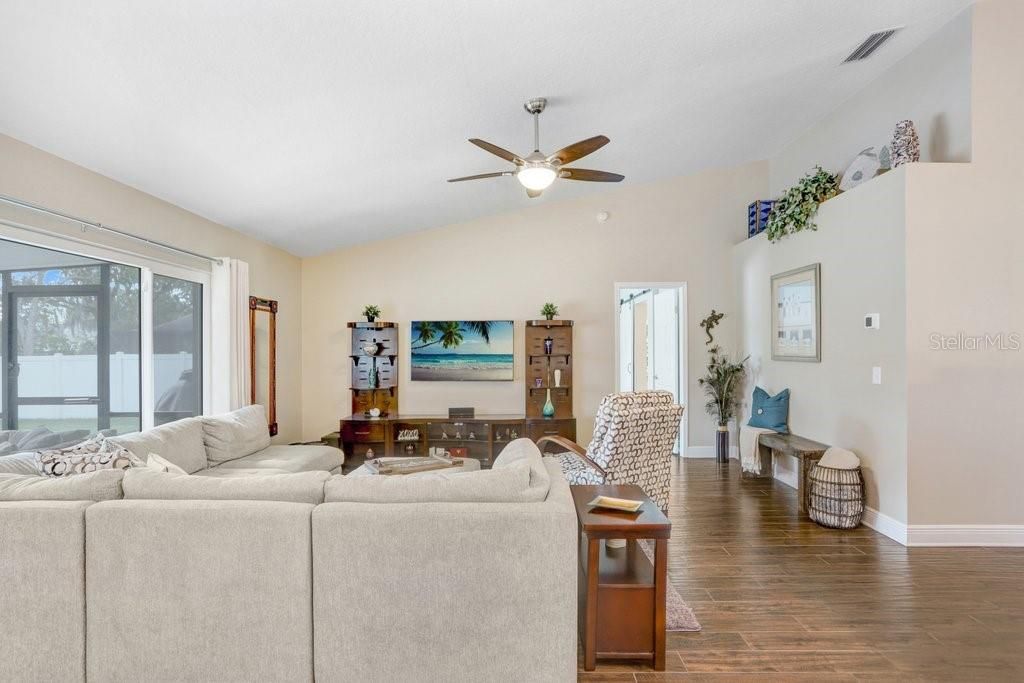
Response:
column 461, row 350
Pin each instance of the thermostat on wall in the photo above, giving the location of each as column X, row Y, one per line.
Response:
column 871, row 321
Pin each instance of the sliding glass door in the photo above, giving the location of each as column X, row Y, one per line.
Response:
column 177, row 348
column 75, row 357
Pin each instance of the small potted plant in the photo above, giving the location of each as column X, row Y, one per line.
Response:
column 371, row 312
column 549, row 311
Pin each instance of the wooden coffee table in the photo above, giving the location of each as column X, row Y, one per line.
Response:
column 621, row 594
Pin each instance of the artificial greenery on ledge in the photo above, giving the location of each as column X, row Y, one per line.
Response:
column 795, row 210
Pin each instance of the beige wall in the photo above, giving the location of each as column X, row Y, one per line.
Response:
column 36, row 176
column 507, row 266
column 860, row 246
column 930, row 86
column 965, row 273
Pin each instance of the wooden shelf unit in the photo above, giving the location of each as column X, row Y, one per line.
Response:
column 541, row 366
column 361, row 433
column 491, row 434
column 382, row 394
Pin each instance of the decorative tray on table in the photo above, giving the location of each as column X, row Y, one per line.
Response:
column 411, row 465
column 620, row 504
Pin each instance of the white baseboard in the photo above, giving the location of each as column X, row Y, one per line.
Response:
column 918, row 535
column 885, row 525
column 1006, row 535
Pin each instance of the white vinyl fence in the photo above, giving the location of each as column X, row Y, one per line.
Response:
column 61, row 375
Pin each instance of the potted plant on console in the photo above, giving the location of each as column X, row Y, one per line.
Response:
column 371, row 312
column 722, row 383
column 549, row 311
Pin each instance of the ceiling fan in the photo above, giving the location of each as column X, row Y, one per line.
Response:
column 537, row 170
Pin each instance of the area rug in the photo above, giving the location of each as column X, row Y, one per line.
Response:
column 678, row 615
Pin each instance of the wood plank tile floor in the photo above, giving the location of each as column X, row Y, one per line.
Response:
column 780, row 598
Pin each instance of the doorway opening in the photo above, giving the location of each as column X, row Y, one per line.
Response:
column 650, row 341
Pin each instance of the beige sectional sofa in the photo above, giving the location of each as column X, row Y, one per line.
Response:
column 290, row 575
column 236, row 444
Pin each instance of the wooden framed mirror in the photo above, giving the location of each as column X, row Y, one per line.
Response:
column 263, row 357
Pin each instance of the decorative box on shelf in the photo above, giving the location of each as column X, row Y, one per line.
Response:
column 757, row 216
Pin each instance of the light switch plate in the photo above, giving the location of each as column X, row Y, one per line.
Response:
column 872, row 321
column 876, row 375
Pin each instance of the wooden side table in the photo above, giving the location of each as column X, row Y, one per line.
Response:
column 621, row 594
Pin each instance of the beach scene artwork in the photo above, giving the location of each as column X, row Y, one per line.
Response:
column 461, row 350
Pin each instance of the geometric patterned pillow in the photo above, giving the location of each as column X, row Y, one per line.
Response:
column 95, row 454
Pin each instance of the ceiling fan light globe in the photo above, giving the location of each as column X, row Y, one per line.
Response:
column 536, row 177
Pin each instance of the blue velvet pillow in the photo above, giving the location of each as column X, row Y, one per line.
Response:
column 770, row 412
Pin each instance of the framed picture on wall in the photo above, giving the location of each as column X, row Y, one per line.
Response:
column 461, row 350
column 796, row 314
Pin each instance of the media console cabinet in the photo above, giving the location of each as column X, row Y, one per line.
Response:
column 482, row 437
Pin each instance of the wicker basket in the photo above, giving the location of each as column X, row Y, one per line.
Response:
column 835, row 497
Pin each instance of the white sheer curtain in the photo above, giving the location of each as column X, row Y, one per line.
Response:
column 229, row 297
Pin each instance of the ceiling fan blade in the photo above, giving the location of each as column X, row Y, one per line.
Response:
column 480, row 175
column 494, row 149
column 578, row 150
column 532, row 194
column 592, row 176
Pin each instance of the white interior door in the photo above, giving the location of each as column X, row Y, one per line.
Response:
column 643, row 369
column 665, row 344
column 626, row 346
column 650, row 341
column 665, row 341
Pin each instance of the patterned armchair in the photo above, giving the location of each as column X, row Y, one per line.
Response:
column 632, row 444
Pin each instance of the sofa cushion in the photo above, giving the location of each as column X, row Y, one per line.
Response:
column 290, row 459
column 38, row 438
column 227, row 473
column 526, row 451
column 301, row 487
column 19, row 463
column 509, row 484
column 89, row 456
column 198, row 590
column 42, row 604
column 161, row 464
column 95, row 486
column 236, row 434
column 180, row 442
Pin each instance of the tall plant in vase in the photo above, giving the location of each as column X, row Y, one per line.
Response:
column 722, row 383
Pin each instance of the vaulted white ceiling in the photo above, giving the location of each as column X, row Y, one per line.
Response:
column 317, row 124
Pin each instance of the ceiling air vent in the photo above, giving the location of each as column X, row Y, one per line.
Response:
column 872, row 43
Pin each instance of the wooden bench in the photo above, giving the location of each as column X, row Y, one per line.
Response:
column 806, row 451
